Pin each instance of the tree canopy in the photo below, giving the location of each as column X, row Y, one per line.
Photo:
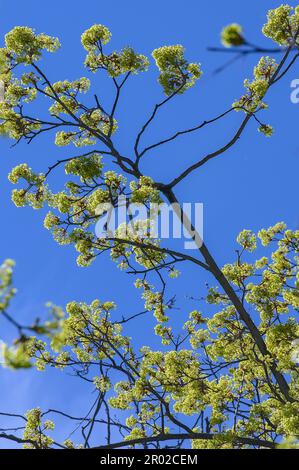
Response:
column 226, row 380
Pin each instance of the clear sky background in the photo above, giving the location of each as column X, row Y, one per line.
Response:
column 253, row 185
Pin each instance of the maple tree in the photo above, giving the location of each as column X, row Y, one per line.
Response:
column 219, row 381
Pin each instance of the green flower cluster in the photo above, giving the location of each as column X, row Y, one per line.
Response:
column 247, row 240
column 71, row 340
column 35, row 430
column 176, row 73
column 17, row 356
column 22, row 45
column 116, row 63
column 11, row 122
column 138, row 243
column 95, row 124
column 94, row 37
column 16, row 92
column 283, row 25
column 266, row 129
column 144, row 191
column 64, row 94
column 102, row 383
column 87, row 168
column 232, row 35
column 154, row 302
column 23, row 197
column 7, row 291
column 20, row 355
column 256, row 89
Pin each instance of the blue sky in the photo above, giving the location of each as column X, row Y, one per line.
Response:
column 252, row 186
